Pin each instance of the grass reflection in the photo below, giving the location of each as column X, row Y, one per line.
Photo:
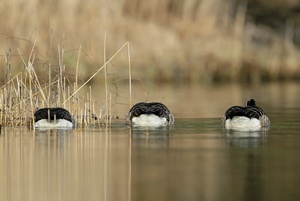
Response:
column 64, row 165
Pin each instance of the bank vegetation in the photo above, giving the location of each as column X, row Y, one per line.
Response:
column 171, row 41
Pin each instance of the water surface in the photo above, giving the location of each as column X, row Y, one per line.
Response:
column 193, row 160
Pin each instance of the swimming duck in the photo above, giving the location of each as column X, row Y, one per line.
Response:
column 152, row 114
column 248, row 118
column 53, row 118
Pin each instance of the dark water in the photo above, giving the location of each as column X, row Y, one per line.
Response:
column 193, row 160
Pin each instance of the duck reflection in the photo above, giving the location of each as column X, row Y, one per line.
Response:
column 150, row 137
column 246, row 139
column 254, row 185
column 247, row 162
column 52, row 132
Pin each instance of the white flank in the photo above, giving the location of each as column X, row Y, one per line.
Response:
column 60, row 123
column 240, row 123
column 150, row 120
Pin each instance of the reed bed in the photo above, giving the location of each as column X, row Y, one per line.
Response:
column 25, row 92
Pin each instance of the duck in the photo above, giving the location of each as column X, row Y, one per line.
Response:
column 56, row 117
column 152, row 114
column 248, row 118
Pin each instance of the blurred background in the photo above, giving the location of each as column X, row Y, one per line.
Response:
column 171, row 41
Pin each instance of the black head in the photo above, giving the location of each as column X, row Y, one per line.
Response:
column 251, row 102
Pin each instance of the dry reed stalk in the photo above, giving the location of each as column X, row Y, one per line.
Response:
column 86, row 104
column 78, row 109
column 62, row 66
column 8, row 70
column 59, row 74
column 69, row 105
column 49, row 66
column 6, row 97
column 34, row 94
column 110, row 115
column 5, row 106
column 100, row 116
column 49, row 84
column 31, row 103
column 9, row 111
column 76, row 97
column 20, row 107
column 129, row 74
column 32, row 50
column 105, row 78
column 101, row 68
column 74, row 108
column 94, row 119
column 1, row 106
column 81, row 119
column 30, row 69
column 11, row 80
column 64, row 88
column 14, row 89
column 13, row 110
column 77, row 66
column 90, row 104
column 32, row 74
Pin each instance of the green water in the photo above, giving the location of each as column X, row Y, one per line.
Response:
column 193, row 160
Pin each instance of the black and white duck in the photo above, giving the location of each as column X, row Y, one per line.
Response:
column 248, row 118
column 53, row 118
column 152, row 114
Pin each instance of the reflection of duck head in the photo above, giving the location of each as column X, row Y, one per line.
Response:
column 248, row 118
column 53, row 118
column 149, row 114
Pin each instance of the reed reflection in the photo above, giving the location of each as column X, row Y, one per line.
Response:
column 67, row 165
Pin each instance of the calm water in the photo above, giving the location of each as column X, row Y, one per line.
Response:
column 193, row 160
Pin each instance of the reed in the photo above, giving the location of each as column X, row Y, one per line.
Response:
column 129, row 76
column 106, row 85
column 25, row 92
